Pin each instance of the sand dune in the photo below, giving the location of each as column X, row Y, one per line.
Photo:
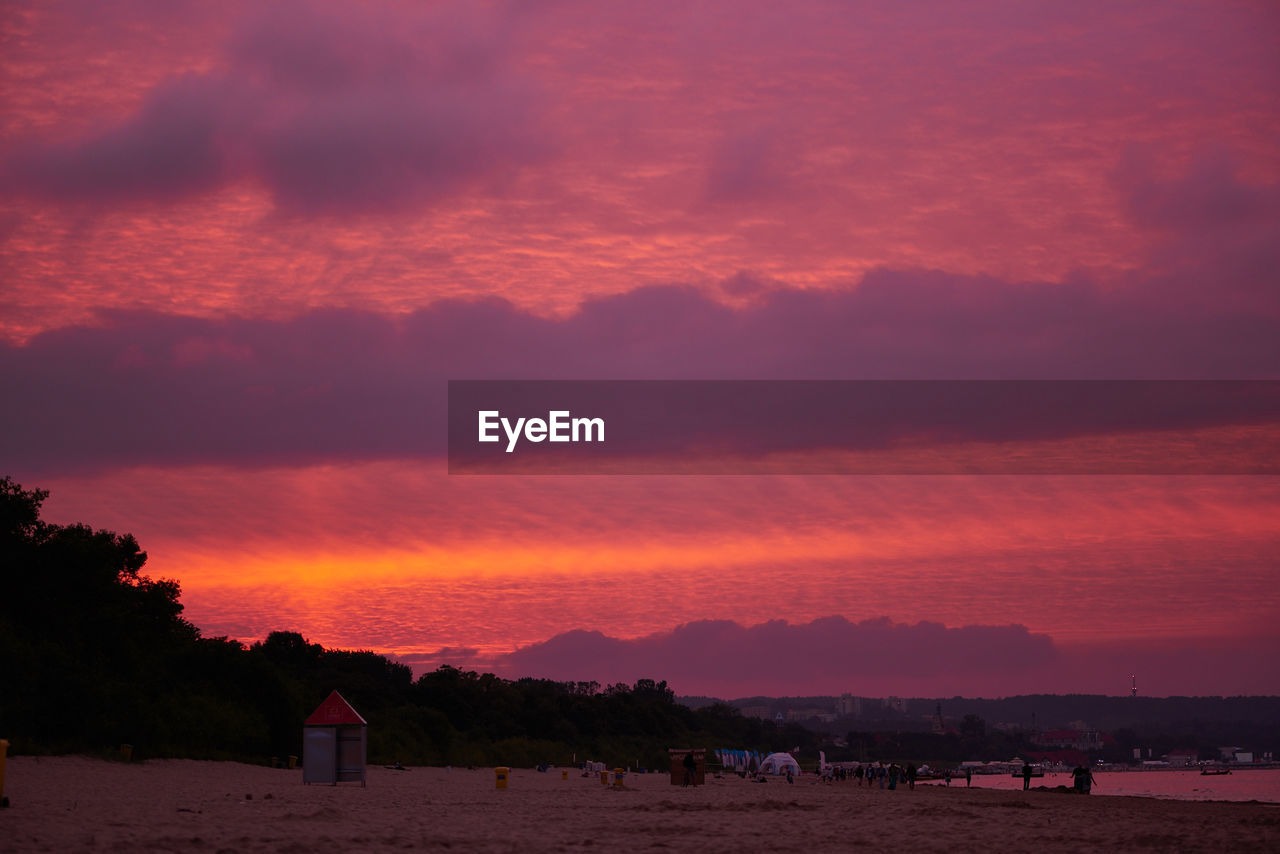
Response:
column 67, row 804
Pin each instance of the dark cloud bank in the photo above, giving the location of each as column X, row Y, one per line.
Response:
column 348, row 384
column 873, row 657
column 334, row 110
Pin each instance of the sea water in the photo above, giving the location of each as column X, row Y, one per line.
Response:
column 1262, row 784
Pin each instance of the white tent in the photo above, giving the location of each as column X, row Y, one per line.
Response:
column 778, row 763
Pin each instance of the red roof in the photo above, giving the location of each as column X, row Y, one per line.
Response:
column 335, row 711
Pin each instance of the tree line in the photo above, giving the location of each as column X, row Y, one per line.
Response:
column 95, row 654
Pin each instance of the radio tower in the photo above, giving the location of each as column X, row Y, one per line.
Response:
column 1133, row 689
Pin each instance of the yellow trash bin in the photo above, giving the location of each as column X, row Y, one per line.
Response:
column 564, row 773
column 500, row 775
column 126, row 752
column 604, row 778
column 618, row 774
column 4, row 751
column 293, row 761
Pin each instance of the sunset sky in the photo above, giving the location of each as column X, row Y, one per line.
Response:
column 243, row 247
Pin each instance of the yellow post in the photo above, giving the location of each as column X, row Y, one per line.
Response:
column 4, row 751
column 126, row 752
column 564, row 773
column 500, row 777
column 293, row 761
column 604, row 778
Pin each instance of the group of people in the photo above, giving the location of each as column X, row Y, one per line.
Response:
column 968, row 776
column 889, row 776
column 1082, row 779
column 886, row 777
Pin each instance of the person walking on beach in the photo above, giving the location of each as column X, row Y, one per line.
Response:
column 911, row 776
column 968, row 777
column 1026, row 776
column 881, row 773
column 946, row 777
column 857, row 773
column 893, row 776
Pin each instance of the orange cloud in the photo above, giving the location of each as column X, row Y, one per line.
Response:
column 391, row 557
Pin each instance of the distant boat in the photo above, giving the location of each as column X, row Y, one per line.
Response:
column 1214, row 772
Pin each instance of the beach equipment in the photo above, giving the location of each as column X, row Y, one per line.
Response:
column 334, row 743
column 778, row 763
column 501, row 773
column 678, row 767
column 739, row 761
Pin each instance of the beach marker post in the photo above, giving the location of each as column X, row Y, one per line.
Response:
column 4, row 752
column 500, row 776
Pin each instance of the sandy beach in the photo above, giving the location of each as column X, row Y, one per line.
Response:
column 66, row 804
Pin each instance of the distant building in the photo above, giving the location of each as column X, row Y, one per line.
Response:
column 764, row 713
column 897, row 704
column 1178, row 758
column 849, row 706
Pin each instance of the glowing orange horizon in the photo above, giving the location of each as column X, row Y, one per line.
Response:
column 960, row 550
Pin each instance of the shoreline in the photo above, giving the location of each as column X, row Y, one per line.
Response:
column 74, row 803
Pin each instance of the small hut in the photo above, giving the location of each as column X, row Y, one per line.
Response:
column 334, row 743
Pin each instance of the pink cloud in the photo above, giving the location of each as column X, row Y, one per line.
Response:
column 246, row 161
column 492, row 564
column 330, row 109
column 338, row 384
column 323, row 213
